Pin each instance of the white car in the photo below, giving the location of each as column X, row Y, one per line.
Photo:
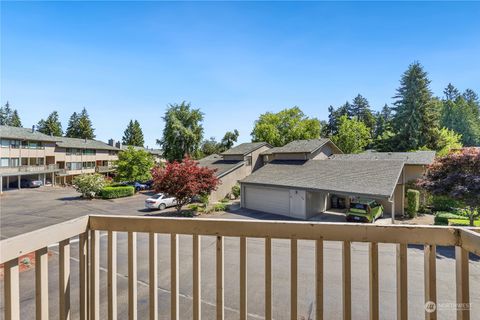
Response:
column 160, row 201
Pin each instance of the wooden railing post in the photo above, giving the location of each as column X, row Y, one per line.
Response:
column 197, row 276
column 220, row 278
column 319, row 279
column 293, row 279
column 112, row 275
column 41, row 284
column 11, row 290
column 430, row 276
column 83, row 277
column 402, row 281
column 94, row 305
column 174, row 306
column 153, row 275
column 64, row 279
column 268, row 278
column 132, row 275
column 373, row 287
column 462, row 278
column 347, row 281
column 243, row 279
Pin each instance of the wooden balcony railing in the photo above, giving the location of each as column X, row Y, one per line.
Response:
column 88, row 230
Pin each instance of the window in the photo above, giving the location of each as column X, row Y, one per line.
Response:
column 74, row 165
column 14, row 162
column 89, row 152
column 89, row 164
column 249, row 160
column 24, row 161
column 5, row 143
column 15, row 144
column 4, row 162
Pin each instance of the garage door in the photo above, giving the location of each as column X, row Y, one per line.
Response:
column 268, row 200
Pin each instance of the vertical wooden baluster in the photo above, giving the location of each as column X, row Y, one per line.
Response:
column 462, row 278
column 243, row 278
column 174, row 277
column 402, row 290
column 220, row 279
column 347, row 281
column 373, row 268
column 319, row 279
column 132, row 275
column 430, row 278
column 94, row 275
column 112, row 275
column 64, row 279
column 153, row 275
column 197, row 283
column 11, row 290
column 41, row 284
column 293, row 278
column 83, row 267
column 268, row 278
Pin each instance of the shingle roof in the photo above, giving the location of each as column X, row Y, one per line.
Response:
column 363, row 177
column 245, row 148
column 84, row 144
column 216, row 161
column 416, row 158
column 24, row 134
column 299, row 146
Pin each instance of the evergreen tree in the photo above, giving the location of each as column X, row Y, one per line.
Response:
column 383, row 121
column 80, row 126
column 360, row 108
column 415, row 123
column 51, row 125
column 133, row 135
column 72, row 128
column 451, row 93
column 331, row 127
column 15, row 119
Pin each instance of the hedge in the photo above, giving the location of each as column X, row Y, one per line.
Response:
column 463, row 222
column 117, row 192
column 444, row 203
column 442, row 217
column 413, row 202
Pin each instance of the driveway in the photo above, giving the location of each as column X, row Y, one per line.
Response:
column 26, row 210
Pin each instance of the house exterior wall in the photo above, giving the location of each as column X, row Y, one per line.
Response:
column 316, row 202
column 322, row 154
column 227, row 182
column 413, row 172
column 257, row 161
column 288, row 156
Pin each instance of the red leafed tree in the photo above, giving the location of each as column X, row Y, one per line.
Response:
column 184, row 180
column 456, row 175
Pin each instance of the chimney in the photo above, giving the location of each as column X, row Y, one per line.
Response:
column 118, row 145
column 111, row 142
column 33, row 128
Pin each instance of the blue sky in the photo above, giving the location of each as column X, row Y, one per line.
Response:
column 234, row 61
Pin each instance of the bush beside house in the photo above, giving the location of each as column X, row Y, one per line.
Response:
column 112, row 192
column 413, row 202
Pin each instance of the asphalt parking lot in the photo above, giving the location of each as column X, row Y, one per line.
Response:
column 27, row 210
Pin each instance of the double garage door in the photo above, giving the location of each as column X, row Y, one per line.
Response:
column 275, row 200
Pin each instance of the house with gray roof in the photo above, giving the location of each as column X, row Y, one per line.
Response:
column 233, row 165
column 307, row 177
column 302, row 150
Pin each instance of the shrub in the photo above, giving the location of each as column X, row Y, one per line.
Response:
column 463, row 222
column 117, row 192
column 89, row 185
column 444, row 203
column 442, row 217
column 413, row 202
column 220, row 207
column 236, row 191
column 224, row 200
column 193, row 207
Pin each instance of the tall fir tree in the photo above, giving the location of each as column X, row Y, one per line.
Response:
column 51, row 125
column 15, row 119
column 360, row 108
column 9, row 116
column 415, row 123
column 133, row 135
column 80, row 126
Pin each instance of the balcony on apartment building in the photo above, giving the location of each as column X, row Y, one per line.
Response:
column 90, row 257
column 28, row 169
column 104, row 169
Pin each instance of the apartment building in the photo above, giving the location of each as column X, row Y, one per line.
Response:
column 26, row 154
column 157, row 154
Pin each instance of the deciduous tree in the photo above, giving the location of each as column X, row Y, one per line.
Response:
column 134, row 165
column 184, row 180
column 285, row 126
column 183, row 131
column 456, row 175
column 353, row 135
